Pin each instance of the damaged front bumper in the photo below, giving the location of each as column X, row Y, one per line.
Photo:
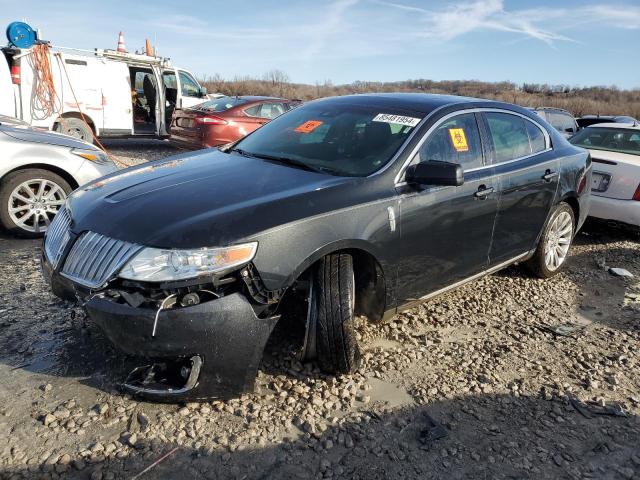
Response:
column 205, row 351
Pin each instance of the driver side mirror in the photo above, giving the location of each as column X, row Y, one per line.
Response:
column 435, row 173
column 203, row 92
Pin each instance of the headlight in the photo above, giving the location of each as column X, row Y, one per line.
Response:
column 160, row 265
column 97, row 156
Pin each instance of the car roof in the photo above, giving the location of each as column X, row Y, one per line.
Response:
column 628, row 126
column 555, row 109
column 257, row 98
column 606, row 117
column 418, row 102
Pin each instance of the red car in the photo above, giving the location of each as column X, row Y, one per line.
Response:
column 224, row 120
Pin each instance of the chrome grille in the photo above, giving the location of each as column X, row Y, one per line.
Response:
column 94, row 259
column 57, row 236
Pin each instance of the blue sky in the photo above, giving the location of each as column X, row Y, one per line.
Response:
column 575, row 42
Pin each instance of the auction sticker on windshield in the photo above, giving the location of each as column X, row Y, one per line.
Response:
column 397, row 119
column 308, row 127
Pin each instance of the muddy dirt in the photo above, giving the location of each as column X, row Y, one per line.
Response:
column 477, row 383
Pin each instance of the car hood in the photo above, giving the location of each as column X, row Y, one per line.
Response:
column 28, row 134
column 199, row 199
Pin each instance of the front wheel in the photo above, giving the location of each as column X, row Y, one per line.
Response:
column 553, row 248
column 331, row 316
column 29, row 199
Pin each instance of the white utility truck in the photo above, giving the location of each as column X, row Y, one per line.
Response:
column 105, row 93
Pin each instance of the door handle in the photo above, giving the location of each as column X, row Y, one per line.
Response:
column 483, row 192
column 549, row 175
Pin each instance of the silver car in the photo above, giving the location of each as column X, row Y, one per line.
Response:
column 38, row 169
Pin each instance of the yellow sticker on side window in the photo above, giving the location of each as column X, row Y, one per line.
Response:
column 458, row 139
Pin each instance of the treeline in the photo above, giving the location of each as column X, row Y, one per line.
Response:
column 578, row 100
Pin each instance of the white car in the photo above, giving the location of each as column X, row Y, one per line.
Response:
column 615, row 188
column 38, row 170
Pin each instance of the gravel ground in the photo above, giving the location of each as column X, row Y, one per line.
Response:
column 473, row 384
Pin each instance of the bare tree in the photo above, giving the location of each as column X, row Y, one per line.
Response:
column 578, row 100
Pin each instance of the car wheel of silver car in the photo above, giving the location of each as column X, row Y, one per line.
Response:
column 331, row 317
column 29, row 199
column 553, row 248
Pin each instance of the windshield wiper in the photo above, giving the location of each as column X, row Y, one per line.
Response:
column 244, row 153
column 284, row 160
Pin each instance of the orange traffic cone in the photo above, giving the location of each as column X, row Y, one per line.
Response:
column 148, row 48
column 121, row 47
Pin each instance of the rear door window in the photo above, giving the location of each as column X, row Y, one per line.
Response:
column 509, row 136
column 536, row 137
column 271, row 110
column 456, row 140
column 268, row 110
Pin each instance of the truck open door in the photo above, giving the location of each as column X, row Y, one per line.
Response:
column 117, row 100
column 7, row 90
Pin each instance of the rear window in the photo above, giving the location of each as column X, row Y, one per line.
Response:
column 220, row 104
column 611, row 139
column 341, row 139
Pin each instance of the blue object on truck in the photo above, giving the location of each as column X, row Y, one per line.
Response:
column 21, row 35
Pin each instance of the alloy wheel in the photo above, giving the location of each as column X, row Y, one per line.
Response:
column 34, row 203
column 558, row 241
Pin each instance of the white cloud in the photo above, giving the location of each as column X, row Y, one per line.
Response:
column 322, row 32
column 541, row 24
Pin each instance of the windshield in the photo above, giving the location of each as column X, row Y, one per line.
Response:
column 342, row 139
column 220, row 104
column 612, row 139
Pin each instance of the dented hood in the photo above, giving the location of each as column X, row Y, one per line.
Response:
column 199, row 199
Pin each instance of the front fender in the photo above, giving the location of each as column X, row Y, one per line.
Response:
column 287, row 251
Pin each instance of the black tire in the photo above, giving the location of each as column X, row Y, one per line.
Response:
column 537, row 264
column 75, row 127
column 10, row 182
column 331, row 313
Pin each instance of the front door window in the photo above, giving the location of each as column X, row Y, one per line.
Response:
column 456, row 140
column 188, row 86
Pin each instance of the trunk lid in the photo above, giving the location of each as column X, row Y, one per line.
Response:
column 621, row 172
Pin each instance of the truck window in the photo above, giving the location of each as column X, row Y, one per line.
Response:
column 169, row 79
column 188, row 86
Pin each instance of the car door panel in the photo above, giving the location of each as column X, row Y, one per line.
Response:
column 528, row 185
column 445, row 232
column 525, row 202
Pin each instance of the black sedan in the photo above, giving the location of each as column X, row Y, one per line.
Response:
column 354, row 205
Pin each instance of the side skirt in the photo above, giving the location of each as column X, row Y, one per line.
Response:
column 429, row 296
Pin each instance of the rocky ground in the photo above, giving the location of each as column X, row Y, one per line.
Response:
column 478, row 383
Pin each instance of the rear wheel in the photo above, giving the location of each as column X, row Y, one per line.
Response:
column 553, row 248
column 29, row 199
column 331, row 318
column 75, row 127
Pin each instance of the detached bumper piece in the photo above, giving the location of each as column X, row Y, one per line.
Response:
column 207, row 351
